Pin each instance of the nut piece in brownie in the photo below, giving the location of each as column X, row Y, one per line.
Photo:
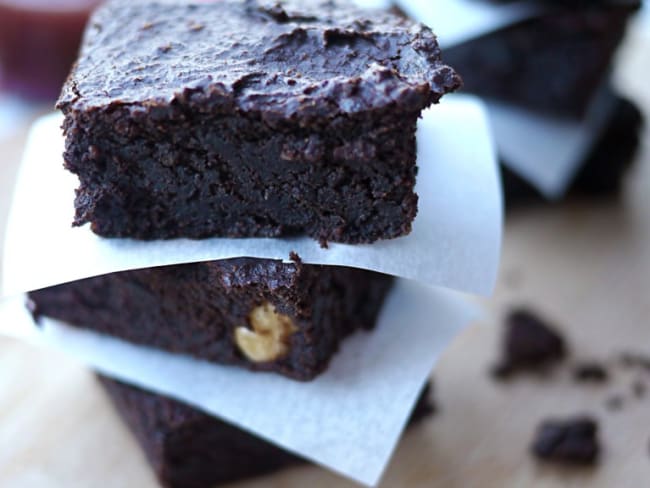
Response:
column 554, row 62
column 262, row 314
column 190, row 449
column 249, row 118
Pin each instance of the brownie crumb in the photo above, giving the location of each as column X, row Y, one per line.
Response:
column 639, row 389
column 573, row 441
column 529, row 344
column 635, row 361
column 614, row 403
column 590, row 372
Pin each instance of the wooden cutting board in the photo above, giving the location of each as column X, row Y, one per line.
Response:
column 585, row 265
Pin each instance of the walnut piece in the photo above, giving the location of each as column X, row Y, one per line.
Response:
column 269, row 339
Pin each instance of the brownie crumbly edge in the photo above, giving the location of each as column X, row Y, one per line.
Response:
column 301, row 119
column 261, row 314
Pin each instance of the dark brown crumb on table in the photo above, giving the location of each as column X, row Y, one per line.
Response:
column 572, row 441
column 614, row 403
column 529, row 344
column 634, row 360
column 590, row 372
column 639, row 389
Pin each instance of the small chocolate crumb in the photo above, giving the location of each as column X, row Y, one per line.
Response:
column 635, row 360
column 572, row 441
column 293, row 256
column 529, row 344
column 639, row 389
column 614, row 403
column 590, row 372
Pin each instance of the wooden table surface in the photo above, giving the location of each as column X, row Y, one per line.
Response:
column 585, row 265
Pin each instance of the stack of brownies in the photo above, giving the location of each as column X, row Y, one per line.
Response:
column 239, row 119
column 546, row 73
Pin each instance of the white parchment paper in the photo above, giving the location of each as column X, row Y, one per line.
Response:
column 455, row 242
column 349, row 419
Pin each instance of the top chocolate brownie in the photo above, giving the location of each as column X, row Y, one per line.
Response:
column 249, row 118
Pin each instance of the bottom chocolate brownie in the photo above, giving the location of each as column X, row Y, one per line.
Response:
column 602, row 171
column 261, row 314
column 190, row 449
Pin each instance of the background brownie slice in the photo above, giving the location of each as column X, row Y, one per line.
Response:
column 262, row 314
column 257, row 118
column 553, row 63
column 606, row 163
column 190, row 449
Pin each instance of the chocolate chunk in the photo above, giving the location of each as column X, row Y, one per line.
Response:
column 572, row 441
column 529, row 344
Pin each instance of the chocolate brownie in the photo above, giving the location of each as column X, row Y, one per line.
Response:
column 288, row 318
column 249, row 118
column 190, row 449
column 602, row 172
column 554, row 62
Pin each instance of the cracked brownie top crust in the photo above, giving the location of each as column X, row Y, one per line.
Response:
column 298, row 60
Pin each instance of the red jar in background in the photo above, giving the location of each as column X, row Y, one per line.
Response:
column 39, row 40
